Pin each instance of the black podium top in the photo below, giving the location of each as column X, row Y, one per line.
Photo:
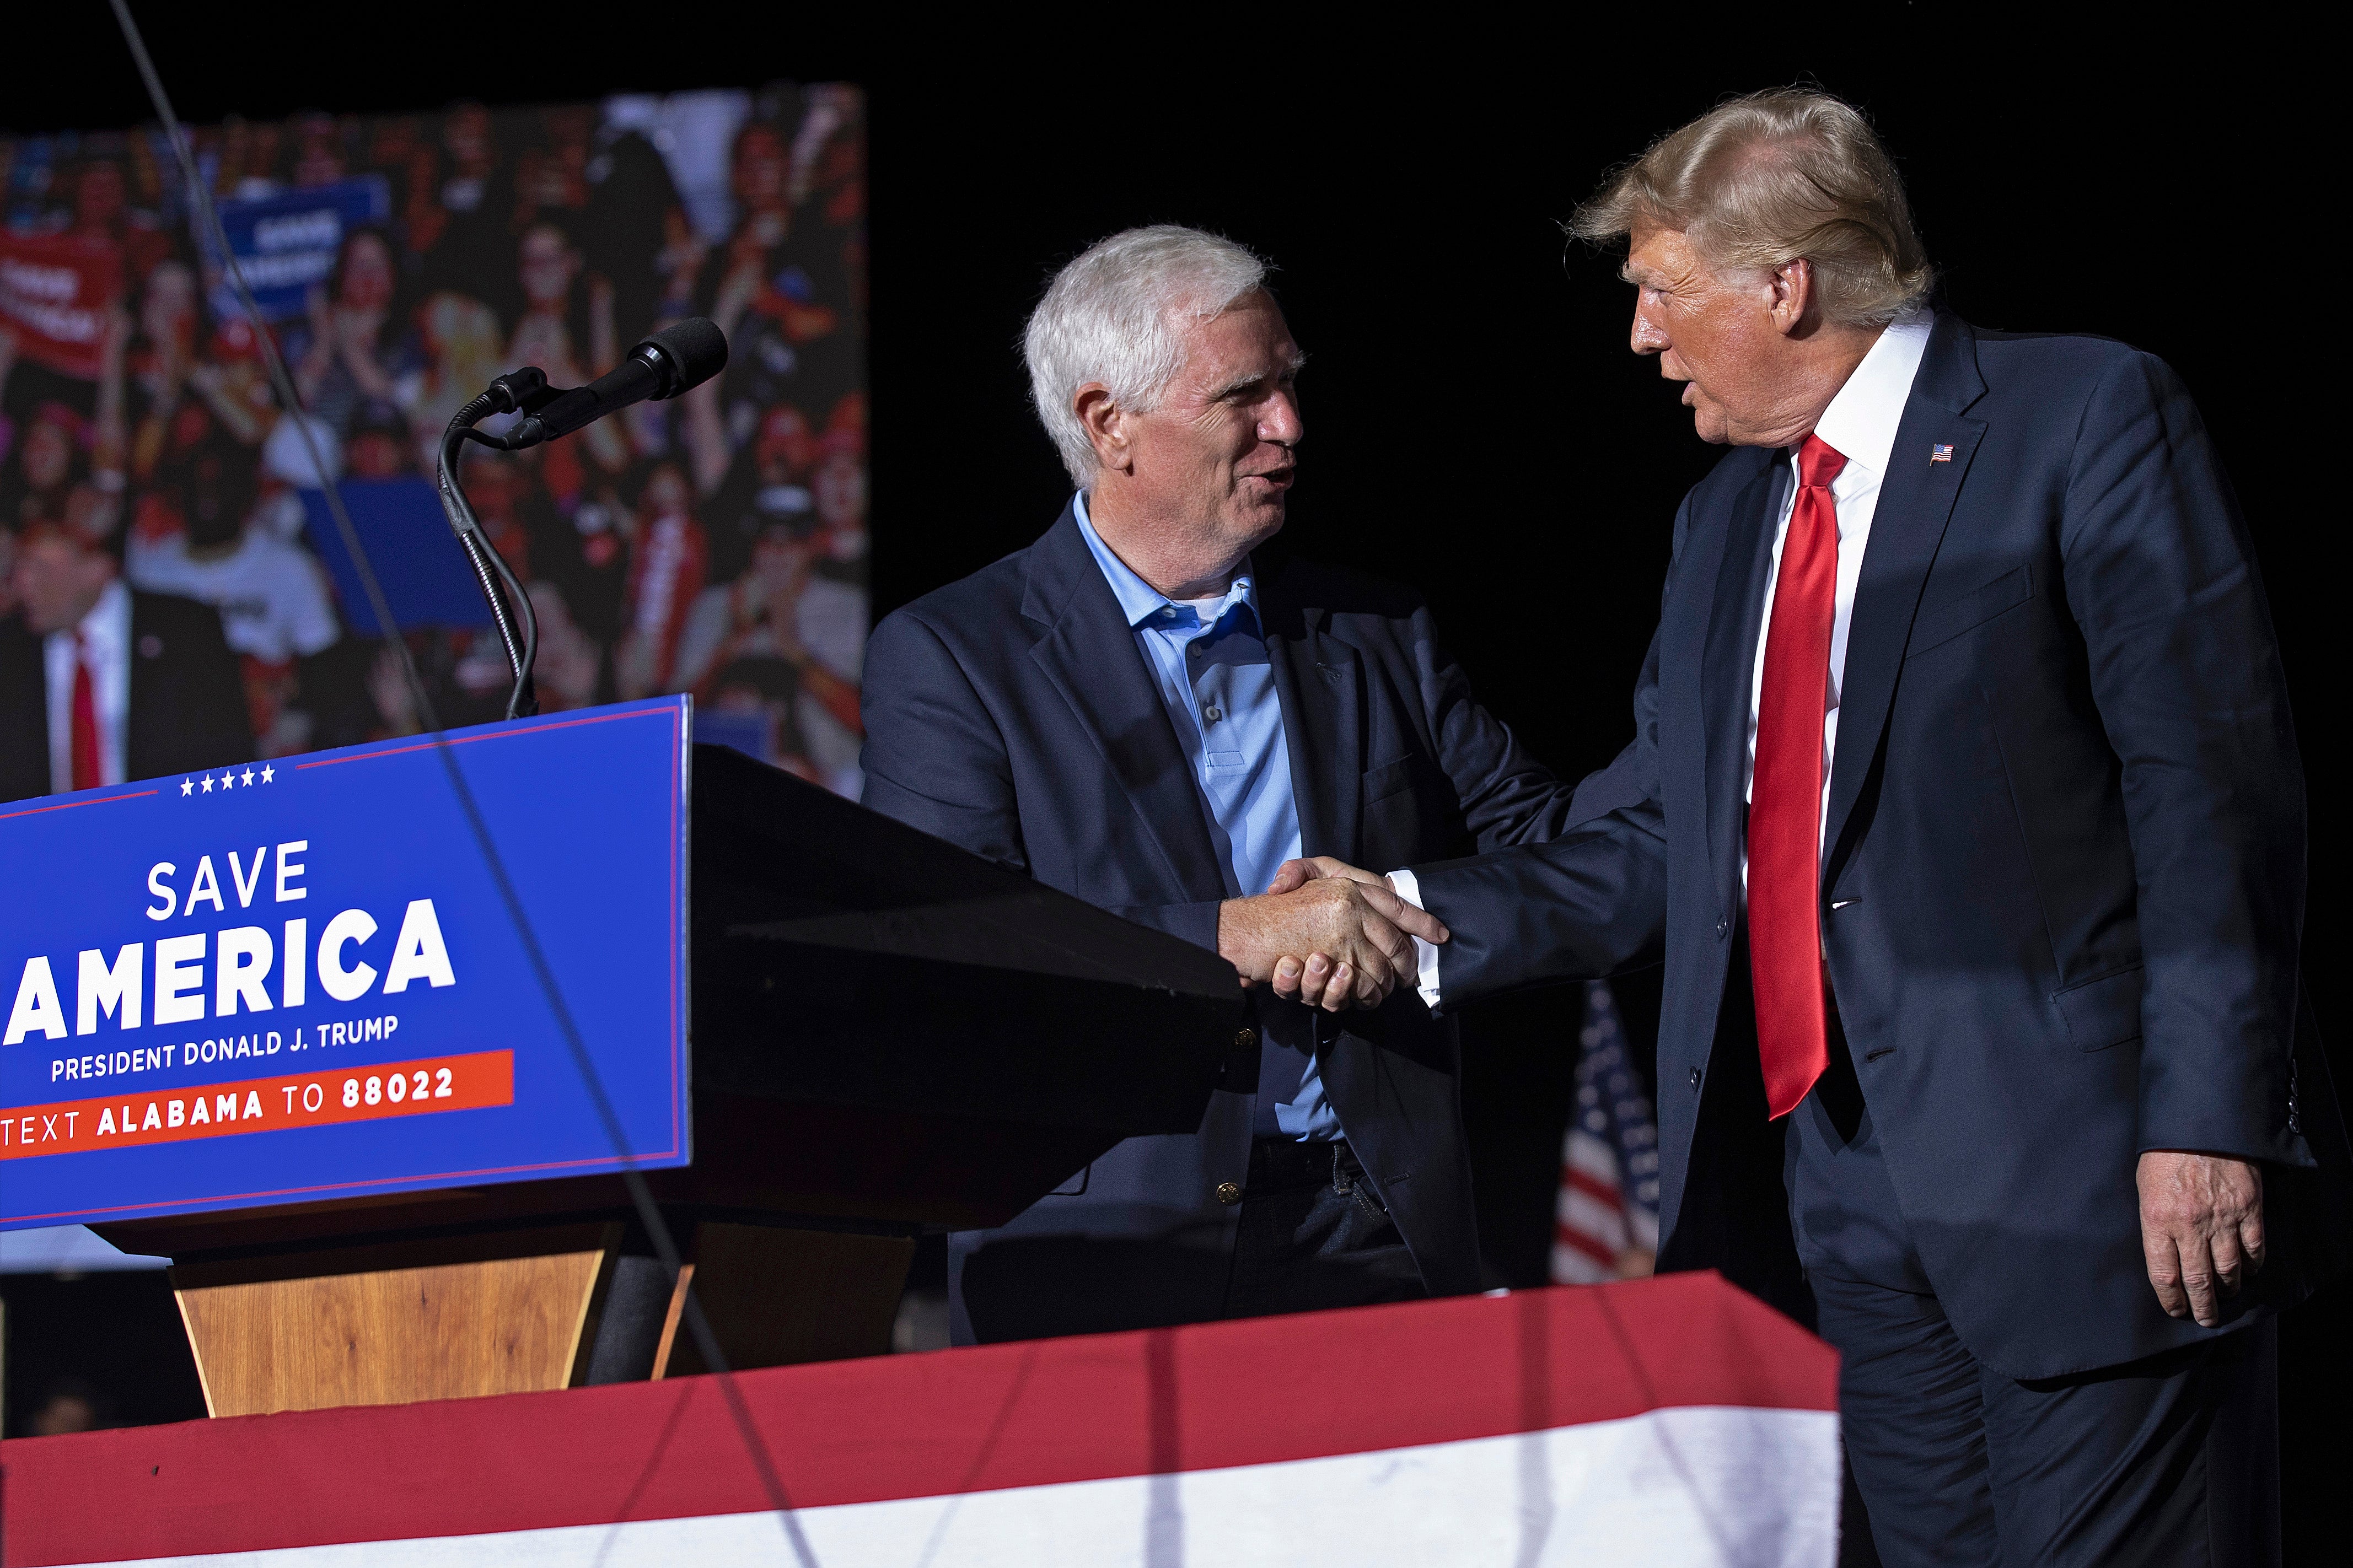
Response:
column 843, row 957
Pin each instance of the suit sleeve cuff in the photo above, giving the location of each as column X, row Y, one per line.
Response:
column 1407, row 886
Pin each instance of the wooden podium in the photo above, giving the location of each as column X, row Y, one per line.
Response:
column 890, row 1035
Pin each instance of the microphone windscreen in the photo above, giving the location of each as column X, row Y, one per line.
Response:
column 696, row 350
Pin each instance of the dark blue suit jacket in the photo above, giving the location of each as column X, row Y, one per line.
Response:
column 2063, row 883
column 1012, row 714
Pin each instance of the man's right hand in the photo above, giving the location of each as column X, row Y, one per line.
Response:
column 1359, row 937
column 1309, row 978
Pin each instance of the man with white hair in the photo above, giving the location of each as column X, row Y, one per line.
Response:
column 1146, row 709
column 1966, row 806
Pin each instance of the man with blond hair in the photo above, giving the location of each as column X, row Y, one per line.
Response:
column 1964, row 807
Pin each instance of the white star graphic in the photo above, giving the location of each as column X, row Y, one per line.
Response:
column 208, row 784
column 188, row 787
column 249, row 778
column 267, row 772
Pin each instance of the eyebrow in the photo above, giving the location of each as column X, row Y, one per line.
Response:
column 1298, row 361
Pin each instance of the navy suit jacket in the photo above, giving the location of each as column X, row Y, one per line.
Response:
column 187, row 699
column 1012, row 714
column 2063, row 880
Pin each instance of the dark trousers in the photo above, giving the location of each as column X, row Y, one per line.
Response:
column 2171, row 1461
column 1313, row 1234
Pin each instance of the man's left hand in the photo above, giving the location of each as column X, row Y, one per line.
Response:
column 2202, row 1229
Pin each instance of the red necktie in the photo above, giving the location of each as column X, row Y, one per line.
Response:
column 85, row 721
column 1785, row 800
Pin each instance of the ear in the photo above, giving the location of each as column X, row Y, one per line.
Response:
column 1793, row 295
column 1106, row 425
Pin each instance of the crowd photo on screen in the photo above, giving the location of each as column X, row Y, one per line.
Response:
column 714, row 544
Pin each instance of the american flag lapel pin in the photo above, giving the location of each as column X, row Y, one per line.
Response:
column 1940, row 454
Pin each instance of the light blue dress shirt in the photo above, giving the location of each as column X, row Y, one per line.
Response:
column 1208, row 658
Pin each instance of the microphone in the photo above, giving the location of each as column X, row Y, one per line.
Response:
column 682, row 355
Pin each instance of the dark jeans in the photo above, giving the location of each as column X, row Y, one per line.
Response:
column 1313, row 1235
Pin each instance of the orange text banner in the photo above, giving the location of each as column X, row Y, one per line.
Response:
column 419, row 1088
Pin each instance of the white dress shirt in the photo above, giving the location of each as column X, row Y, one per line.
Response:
column 1860, row 424
column 105, row 633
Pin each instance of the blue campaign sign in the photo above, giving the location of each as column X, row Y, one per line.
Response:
column 286, row 243
column 418, row 562
column 298, row 980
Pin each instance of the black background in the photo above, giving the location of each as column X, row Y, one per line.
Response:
column 1476, row 427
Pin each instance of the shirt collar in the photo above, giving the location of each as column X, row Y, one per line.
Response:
column 1139, row 601
column 107, row 628
column 1860, row 421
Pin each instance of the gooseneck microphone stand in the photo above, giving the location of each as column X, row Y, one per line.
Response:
column 683, row 354
column 523, row 391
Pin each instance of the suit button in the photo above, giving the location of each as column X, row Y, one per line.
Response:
column 1694, row 1077
column 1230, row 1193
column 1723, row 928
column 1245, row 1037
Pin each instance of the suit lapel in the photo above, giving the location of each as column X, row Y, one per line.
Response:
column 1319, row 682
column 1915, row 502
column 1727, row 669
column 1089, row 653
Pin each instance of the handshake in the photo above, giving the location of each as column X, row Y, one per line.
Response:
column 1325, row 933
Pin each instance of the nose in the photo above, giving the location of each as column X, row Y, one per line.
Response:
column 1280, row 422
column 1650, row 338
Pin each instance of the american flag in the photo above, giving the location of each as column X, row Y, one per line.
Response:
column 1606, row 1219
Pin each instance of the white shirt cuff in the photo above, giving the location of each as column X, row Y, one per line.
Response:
column 1407, row 886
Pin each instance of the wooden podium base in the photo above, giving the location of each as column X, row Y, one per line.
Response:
column 506, row 1311
column 439, row 1319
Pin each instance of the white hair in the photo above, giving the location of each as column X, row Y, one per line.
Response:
column 1117, row 314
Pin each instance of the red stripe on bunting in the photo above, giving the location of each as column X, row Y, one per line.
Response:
column 1594, row 1187
column 1254, row 1392
column 1568, row 1235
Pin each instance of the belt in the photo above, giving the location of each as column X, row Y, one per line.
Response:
column 1277, row 1163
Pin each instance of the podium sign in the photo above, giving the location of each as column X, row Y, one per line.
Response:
column 299, row 980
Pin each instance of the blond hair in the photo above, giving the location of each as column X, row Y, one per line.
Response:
column 1767, row 179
